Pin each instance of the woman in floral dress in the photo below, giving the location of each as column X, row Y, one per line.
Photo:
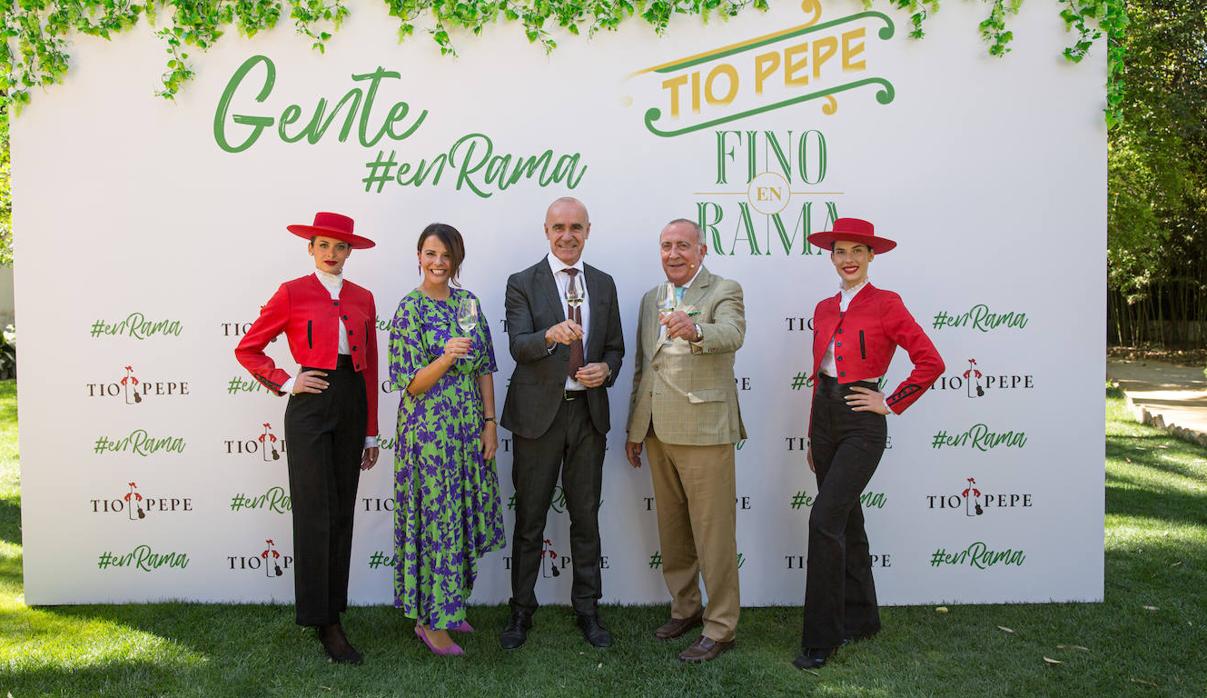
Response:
column 447, row 512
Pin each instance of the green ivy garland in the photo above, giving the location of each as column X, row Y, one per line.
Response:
column 34, row 50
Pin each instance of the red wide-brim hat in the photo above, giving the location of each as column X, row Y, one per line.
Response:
column 332, row 225
column 853, row 230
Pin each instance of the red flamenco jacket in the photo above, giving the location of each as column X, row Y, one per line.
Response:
column 865, row 338
column 304, row 311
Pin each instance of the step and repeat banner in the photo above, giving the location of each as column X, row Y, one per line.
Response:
column 150, row 232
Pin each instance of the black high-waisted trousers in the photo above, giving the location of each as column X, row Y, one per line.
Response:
column 840, row 596
column 324, row 440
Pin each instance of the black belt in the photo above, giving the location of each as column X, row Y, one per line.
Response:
column 830, row 387
column 343, row 362
column 569, row 395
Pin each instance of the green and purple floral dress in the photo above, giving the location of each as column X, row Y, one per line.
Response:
column 446, row 511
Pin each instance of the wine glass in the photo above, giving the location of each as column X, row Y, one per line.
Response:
column 467, row 315
column 666, row 305
column 574, row 297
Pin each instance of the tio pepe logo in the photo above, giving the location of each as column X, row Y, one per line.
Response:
column 973, row 502
column 133, row 391
column 267, row 445
column 974, row 383
column 270, row 561
column 137, row 507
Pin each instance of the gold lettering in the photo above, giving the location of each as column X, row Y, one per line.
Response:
column 850, row 49
column 673, row 84
column 728, row 71
column 793, row 65
column 823, row 50
column 765, row 66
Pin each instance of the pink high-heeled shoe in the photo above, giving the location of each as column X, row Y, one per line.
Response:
column 462, row 627
column 453, row 650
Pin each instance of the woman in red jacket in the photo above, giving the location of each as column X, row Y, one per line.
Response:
column 331, row 419
column 855, row 334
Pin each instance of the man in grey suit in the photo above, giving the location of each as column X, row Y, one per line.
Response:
column 684, row 414
column 563, row 324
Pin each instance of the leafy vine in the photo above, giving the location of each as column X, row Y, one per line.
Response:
column 34, row 50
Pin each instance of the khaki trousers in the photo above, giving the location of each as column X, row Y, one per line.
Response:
column 695, row 496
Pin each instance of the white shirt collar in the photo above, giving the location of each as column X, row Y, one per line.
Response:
column 845, row 295
column 332, row 282
column 693, row 279
column 850, row 292
column 556, row 265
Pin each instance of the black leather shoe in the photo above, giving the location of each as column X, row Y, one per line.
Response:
column 814, row 657
column 515, row 633
column 336, row 645
column 593, row 630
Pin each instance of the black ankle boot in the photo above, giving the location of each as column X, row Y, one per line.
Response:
column 336, row 644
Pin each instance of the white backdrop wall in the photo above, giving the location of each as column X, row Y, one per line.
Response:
column 145, row 249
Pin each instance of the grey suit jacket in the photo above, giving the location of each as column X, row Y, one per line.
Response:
column 686, row 392
column 534, row 304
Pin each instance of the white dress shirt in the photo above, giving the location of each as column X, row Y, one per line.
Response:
column 562, row 279
column 333, row 283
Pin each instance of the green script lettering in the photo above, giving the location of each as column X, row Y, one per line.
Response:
column 356, row 104
column 258, row 123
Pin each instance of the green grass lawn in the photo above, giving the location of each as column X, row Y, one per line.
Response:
column 1148, row 638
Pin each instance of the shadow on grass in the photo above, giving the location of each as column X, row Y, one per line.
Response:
column 1180, row 460
column 1162, row 508
column 1131, row 494
column 153, row 678
column 160, row 648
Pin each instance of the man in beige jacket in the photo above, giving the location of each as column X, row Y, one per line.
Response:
column 684, row 412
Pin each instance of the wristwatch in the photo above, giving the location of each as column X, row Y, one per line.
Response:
column 699, row 334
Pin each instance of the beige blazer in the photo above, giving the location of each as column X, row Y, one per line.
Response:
column 687, row 391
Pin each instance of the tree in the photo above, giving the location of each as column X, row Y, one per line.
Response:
column 1157, row 180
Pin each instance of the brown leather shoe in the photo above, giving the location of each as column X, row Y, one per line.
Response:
column 676, row 627
column 705, row 649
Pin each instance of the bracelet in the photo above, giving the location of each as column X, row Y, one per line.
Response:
column 488, row 419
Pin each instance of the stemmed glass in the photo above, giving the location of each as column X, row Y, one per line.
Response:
column 574, row 297
column 467, row 316
column 667, row 302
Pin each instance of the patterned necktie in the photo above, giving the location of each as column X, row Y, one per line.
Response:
column 575, row 313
